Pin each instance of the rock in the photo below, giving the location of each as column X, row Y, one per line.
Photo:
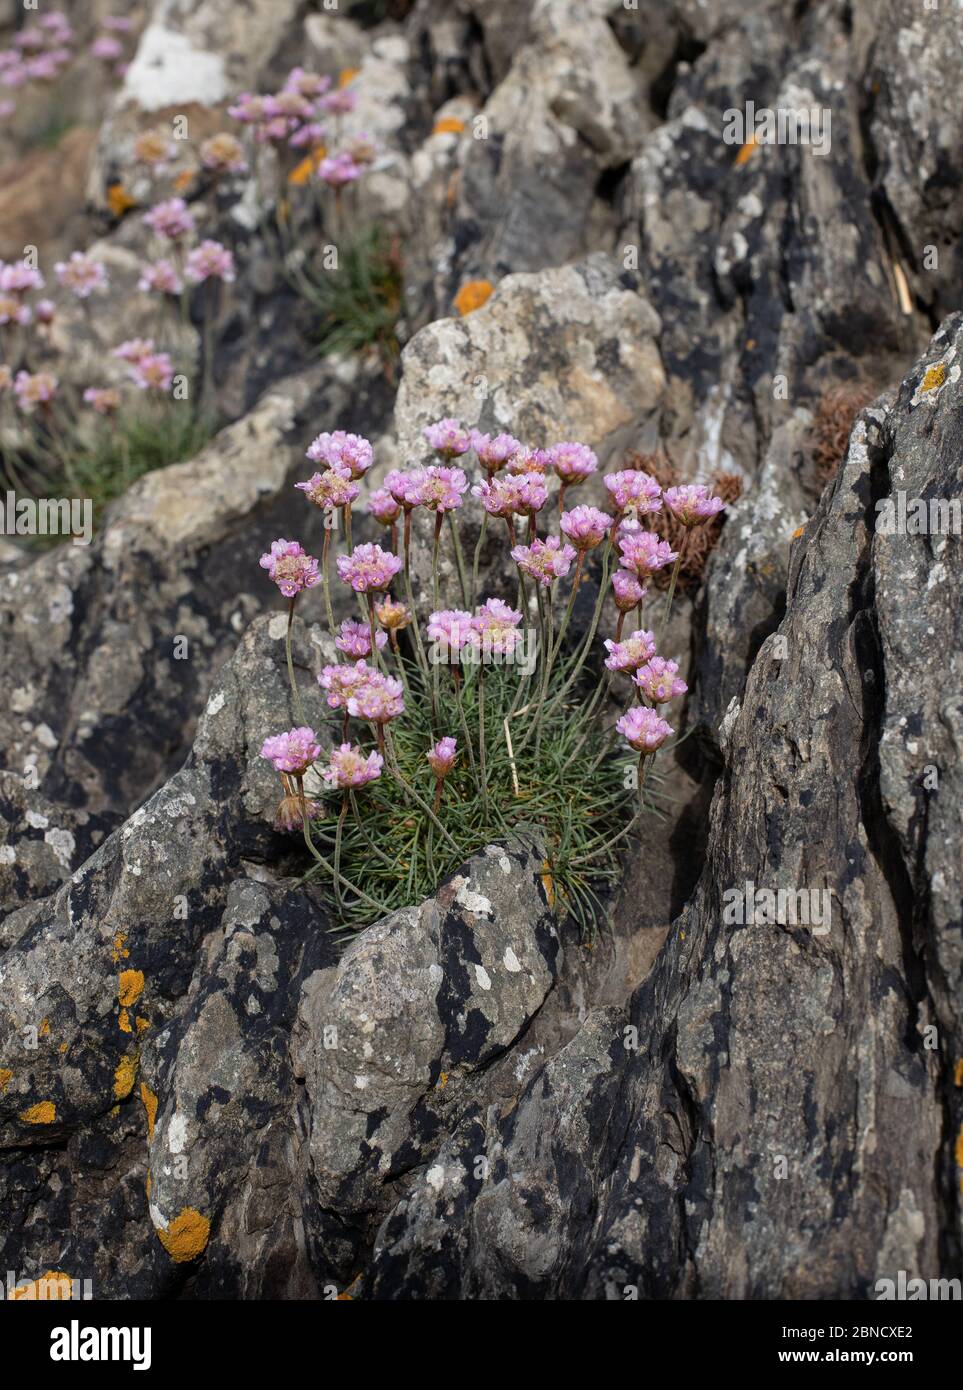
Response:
column 44, row 201
column 40, row 843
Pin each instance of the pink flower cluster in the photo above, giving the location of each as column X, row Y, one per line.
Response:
column 291, row 569
column 149, row 369
column 39, row 52
column 297, row 116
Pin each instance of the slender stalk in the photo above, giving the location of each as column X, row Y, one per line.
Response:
column 299, row 708
column 477, row 559
column 465, row 732
column 409, row 790
column 483, row 774
column 337, row 852
column 338, row 877
column 379, row 854
column 672, row 583
column 459, row 557
column 325, row 577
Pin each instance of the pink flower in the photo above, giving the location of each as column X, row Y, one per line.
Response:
column 248, row 109
column 656, row 680
column 572, row 462
column 349, row 768
column 81, row 275
column 401, row 485
column 19, row 278
column 170, row 219
column 104, row 400
column 451, row 629
column 379, row 700
column 292, row 752
column 120, row 24
column 153, row 372
column 107, row 48
column 448, row 438
column 338, row 170
column 545, row 561
column 368, row 569
column 307, row 84
column 520, row 494
column 443, row 756
column 643, row 553
column 391, row 615
column 223, row 154
column 628, row 592
column 290, row 815
column 585, row 527
column 134, row 349
column 351, row 450
column 493, row 454
column 331, row 489
column 362, row 147
column 290, row 567
column 311, row 134
column 341, row 102
column 438, row 488
column 634, row 491
column 383, row 507
column 631, row 653
column 692, row 504
column 13, row 310
column 33, row 390
column 341, row 681
column 529, row 461
column 45, row 311
column 355, row 639
column 160, row 278
column 643, row 730
column 209, row 261
column 497, row 626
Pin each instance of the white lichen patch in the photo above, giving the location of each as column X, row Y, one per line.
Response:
column 483, row 977
column 63, row 845
column 168, row 70
column 511, row 961
column 471, row 901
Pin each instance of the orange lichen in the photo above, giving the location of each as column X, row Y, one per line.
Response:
column 119, row 200
column 54, row 1287
column 747, row 151
column 123, row 1022
column 125, row 1075
column 548, row 883
column 442, row 1080
column 798, row 532
column 5, row 1077
column 187, row 1235
column 448, row 125
column 141, row 1023
column 473, row 295
column 302, row 172
column 43, row 1113
column 131, row 986
column 347, row 76
column 957, row 1074
column 150, row 1106
column 120, row 946
column 183, row 181
column 934, row 377
column 45, row 1027
column 62, row 1049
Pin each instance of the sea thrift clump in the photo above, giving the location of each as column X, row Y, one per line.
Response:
column 292, row 752
column 154, row 371
column 351, row 450
column 291, row 569
column 160, row 278
column 368, row 569
column 348, row 768
column 643, row 553
column 521, row 494
column 104, row 400
column 223, row 154
column 585, row 527
column 452, row 630
column 354, row 639
column 631, row 653
column 545, row 561
column 494, row 453
column 19, row 278
column 33, row 389
column 692, row 504
column 81, row 274
column 339, row 169
column 448, row 438
column 439, row 488
column 154, row 149
column 341, row 681
column 657, row 680
column 497, row 626
column 133, row 350
column 384, row 507
column 392, row 616
column 643, row 729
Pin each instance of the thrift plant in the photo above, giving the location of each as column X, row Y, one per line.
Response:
column 434, row 733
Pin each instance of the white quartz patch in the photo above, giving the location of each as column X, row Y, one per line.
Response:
column 167, row 70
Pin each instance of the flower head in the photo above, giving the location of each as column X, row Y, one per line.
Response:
column 631, row 653
column 154, row 371
column 292, row 752
column 45, row 311
column 545, row 561
column 692, row 505
column 107, row 48
column 643, row 729
column 522, row 494
column 331, row 489
column 354, row 639
column 497, row 626
column 392, row 616
column 443, row 756
column 529, row 461
column 160, row 278
column 379, row 699
column 19, row 278
column 642, row 552
column 134, row 349
column 290, row 567
column 448, row 438
column 362, row 147
column 634, row 491
column 494, row 453
column 104, row 400
column 349, row 768
column 171, row 219
column 657, row 680
column 13, row 310
column 34, row 389
column 585, row 527
column 223, row 154
column 209, row 261
column 439, row 488
column 402, row 486
column 153, row 148
column 383, row 507
column 351, row 450
column 451, row 629
column 338, row 169
column 572, row 462
column 341, row 680
column 81, row 275
column 368, row 569
column 627, row 591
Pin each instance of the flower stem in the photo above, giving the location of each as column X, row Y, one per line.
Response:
column 299, row 708
column 325, row 578
column 477, row 560
column 672, row 583
column 459, row 557
column 409, row 790
column 481, row 741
